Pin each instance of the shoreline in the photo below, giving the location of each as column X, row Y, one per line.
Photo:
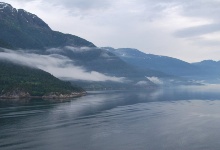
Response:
column 48, row 96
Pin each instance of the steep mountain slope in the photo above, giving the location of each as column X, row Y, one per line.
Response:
column 164, row 64
column 16, row 79
column 21, row 29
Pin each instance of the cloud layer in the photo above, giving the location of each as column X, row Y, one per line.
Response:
column 58, row 65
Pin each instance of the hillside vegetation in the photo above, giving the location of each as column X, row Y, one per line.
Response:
column 34, row 81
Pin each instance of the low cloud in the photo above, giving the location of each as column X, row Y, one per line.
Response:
column 142, row 83
column 155, row 80
column 69, row 48
column 79, row 49
column 56, row 64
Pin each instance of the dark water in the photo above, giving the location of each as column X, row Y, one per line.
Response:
column 165, row 119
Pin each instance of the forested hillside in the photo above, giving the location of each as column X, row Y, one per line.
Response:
column 34, row 81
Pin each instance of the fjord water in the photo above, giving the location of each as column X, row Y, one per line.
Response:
column 183, row 118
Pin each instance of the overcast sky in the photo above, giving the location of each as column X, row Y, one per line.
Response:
column 185, row 29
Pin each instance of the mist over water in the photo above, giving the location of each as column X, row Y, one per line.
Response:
column 183, row 118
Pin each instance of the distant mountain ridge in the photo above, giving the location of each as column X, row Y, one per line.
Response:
column 168, row 65
column 211, row 70
column 207, row 70
column 20, row 29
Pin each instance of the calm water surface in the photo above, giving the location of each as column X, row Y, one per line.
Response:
column 164, row 119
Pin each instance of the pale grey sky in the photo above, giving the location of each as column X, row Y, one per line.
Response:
column 185, row 29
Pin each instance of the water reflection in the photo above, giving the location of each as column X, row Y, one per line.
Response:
column 176, row 118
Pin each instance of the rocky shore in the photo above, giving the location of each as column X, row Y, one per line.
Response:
column 57, row 95
column 21, row 94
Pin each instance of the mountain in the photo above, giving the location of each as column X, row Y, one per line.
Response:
column 98, row 59
column 206, row 71
column 23, row 31
column 104, row 62
column 23, row 81
column 20, row 29
column 210, row 65
column 168, row 65
column 211, row 70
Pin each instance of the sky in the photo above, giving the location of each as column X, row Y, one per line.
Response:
column 184, row 29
